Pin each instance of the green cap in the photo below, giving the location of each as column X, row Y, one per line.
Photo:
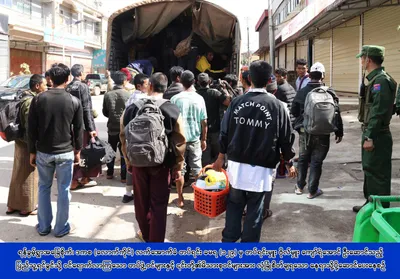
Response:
column 372, row 51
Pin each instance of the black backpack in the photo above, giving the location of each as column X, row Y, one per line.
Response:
column 10, row 120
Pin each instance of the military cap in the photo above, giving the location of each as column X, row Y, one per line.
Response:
column 370, row 50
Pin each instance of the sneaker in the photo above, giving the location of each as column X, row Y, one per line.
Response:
column 127, row 199
column 87, row 182
column 41, row 233
column 297, row 190
column 316, row 194
column 62, row 235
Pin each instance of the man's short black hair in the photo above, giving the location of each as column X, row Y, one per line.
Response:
column 378, row 60
column 47, row 74
column 77, row 70
column 159, row 82
column 139, row 79
column 175, row 72
column 187, row 79
column 260, row 73
column 203, row 80
column 281, row 71
column 232, row 79
column 35, row 80
column 59, row 74
column 316, row 75
column 119, row 77
column 246, row 77
column 301, row 62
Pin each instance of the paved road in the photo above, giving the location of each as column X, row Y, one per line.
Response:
column 97, row 214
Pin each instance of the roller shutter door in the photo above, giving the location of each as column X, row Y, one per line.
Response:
column 290, row 57
column 322, row 53
column 346, row 68
column 86, row 62
column 302, row 50
column 4, row 58
column 56, row 58
column 20, row 56
column 380, row 28
column 282, row 57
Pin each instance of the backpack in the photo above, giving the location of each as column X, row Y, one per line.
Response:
column 320, row 112
column 10, row 120
column 147, row 141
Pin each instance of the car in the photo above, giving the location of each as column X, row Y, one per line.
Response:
column 12, row 88
column 97, row 83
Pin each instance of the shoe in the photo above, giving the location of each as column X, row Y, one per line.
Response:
column 127, row 199
column 62, row 235
column 357, row 208
column 123, row 181
column 88, row 182
column 316, row 194
column 41, row 233
column 297, row 190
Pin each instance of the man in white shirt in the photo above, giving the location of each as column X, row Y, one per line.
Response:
column 302, row 72
column 255, row 130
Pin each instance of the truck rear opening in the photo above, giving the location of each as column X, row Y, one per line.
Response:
column 154, row 28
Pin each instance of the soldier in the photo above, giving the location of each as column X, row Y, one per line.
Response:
column 375, row 112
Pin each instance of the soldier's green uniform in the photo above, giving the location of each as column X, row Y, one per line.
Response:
column 375, row 113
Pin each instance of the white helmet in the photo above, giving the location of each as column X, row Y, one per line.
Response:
column 318, row 67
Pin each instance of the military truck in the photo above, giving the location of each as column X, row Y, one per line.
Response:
column 154, row 28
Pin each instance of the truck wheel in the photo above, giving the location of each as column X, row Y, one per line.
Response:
column 97, row 91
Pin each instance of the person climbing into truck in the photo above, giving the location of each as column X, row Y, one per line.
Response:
column 146, row 66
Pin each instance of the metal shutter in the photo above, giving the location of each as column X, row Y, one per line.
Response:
column 346, row 68
column 86, row 62
column 290, row 57
column 380, row 28
column 4, row 58
column 282, row 58
column 302, row 50
column 322, row 53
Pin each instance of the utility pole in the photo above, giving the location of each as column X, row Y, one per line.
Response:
column 271, row 35
column 248, row 42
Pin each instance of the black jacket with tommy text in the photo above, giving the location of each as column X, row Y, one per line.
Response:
column 256, row 129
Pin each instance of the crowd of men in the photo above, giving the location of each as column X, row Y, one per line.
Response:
column 250, row 131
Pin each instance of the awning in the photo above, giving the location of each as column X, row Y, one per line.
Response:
column 333, row 15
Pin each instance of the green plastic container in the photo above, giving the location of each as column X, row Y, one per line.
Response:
column 377, row 224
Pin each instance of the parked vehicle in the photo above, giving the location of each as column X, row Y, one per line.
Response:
column 12, row 88
column 97, row 83
column 134, row 35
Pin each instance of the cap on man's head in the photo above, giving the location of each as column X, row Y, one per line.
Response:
column 371, row 50
column 317, row 67
column 203, row 78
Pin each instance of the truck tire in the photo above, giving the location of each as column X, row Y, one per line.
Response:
column 96, row 91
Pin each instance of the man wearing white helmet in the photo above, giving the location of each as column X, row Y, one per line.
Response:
column 313, row 149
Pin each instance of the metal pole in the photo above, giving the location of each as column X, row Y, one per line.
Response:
column 248, row 43
column 63, row 48
column 271, row 35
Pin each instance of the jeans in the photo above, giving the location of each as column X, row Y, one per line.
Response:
column 152, row 189
column 114, row 141
column 47, row 164
column 193, row 155
column 237, row 200
column 313, row 150
column 211, row 153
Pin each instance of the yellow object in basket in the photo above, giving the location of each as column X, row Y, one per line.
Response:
column 214, row 177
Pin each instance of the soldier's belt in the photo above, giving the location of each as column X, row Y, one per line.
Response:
column 384, row 129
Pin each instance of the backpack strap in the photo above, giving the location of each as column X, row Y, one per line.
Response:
column 302, row 80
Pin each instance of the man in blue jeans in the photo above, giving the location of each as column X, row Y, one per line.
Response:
column 55, row 140
column 255, row 130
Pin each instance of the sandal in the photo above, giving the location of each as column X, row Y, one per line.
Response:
column 26, row 214
column 267, row 213
column 11, row 212
column 317, row 194
column 140, row 236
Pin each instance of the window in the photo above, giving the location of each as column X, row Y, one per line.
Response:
column 7, row 3
column 23, row 6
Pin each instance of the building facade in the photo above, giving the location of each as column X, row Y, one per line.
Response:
column 43, row 32
column 332, row 32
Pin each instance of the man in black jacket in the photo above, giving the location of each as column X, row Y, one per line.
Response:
column 255, row 131
column 313, row 149
column 55, row 140
column 285, row 91
column 81, row 91
column 176, row 86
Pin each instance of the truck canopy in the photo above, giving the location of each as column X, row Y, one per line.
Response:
column 155, row 27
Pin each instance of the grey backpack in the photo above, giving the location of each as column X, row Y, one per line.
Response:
column 320, row 112
column 147, row 142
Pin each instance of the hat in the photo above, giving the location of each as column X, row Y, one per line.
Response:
column 317, row 67
column 203, row 78
column 371, row 50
